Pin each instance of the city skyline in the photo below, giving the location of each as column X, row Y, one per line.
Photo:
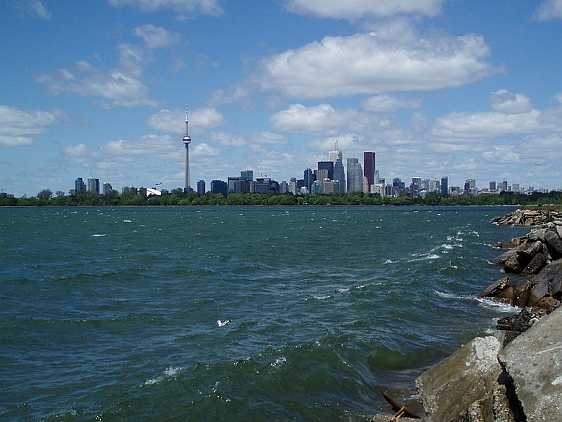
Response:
column 435, row 87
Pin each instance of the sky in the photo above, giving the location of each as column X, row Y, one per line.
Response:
column 465, row 89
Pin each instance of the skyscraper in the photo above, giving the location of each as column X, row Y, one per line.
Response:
column 493, row 186
column 339, row 174
column 219, row 186
column 94, row 186
column 107, row 189
column 354, row 175
column 444, row 186
column 201, row 187
column 309, row 179
column 369, row 167
column 79, row 186
column 329, row 167
column 503, row 186
column 186, row 141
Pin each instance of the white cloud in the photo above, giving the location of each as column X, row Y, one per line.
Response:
column 168, row 121
column 501, row 153
column 33, row 8
column 18, row 127
column 324, row 118
column 559, row 98
column 156, row 37
column 507, row 102
column 373, row 63
column 487, row 124
column 549, row 9
column 228, row 139
column 205, row 7
column 121, row 86
column 77, row 151
column 352, row 9
column 387, row 103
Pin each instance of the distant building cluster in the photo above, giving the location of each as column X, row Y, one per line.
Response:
column 92, row 185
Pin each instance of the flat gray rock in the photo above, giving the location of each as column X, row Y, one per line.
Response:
column 469, row 375
column 534, row 361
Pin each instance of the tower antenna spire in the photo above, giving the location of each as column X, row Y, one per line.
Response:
column 186, row 121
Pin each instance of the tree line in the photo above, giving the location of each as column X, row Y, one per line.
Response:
column 179, row 198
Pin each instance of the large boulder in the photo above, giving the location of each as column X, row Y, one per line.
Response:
column 536, row 264
column 469, row 375
column 515, row 260
column 508, row 290
column 534, row 362
column 547, row 283
column 536, row 234
column 554, row 243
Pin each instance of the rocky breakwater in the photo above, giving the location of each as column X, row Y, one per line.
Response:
column 516, row 374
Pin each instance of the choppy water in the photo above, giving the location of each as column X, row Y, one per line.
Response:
column 111, row 314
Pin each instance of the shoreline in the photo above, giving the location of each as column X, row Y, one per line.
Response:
column 514, row 374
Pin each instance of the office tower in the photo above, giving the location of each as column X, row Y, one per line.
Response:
column 266, row 185
column 219, row 186
column 415, row 186
column 79, row 186
column 493, row 186
column 247, row 175
column 470, row 187
column 186, row 141
column 293, row 186
column 283, row 187
column 339, row 174
column 434, row 186
column 323, row 177
column 308, row 178
column 516, row 188
column 354, row 175
column 94, row 186
column 329, row 167
column 300, row 184
column 107, row 189
column 369, row 168
column 444, row 186
column 201, row 187
column 504, row 187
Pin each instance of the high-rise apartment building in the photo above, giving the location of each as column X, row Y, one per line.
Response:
column 79, row 186
column 94, row 186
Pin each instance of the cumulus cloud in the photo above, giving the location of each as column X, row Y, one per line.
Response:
column 352, row 9
column 33, row 8
column 501, row 153
column 18, row 127
column 168, row 121
column 77, row 151
column 507, row 102
column 156, row 37
column 324, row 118
column 119, row 87
column 486, row 124
column 549, row 10
column 376, row 62
column 205, row 7
column 387, row 103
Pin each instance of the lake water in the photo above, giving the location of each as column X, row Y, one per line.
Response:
column 111, row 314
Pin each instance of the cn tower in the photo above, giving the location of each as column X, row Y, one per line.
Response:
column 186, row 141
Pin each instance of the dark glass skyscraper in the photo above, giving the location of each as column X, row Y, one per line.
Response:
column 444, row 186
column 369, row 167
column 219, row 186
column 339, row 175
column 201, row 187
column 329, row 166
column 308, row 178
column 79, row 186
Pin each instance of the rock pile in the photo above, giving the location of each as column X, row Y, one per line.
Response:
column 529, row 217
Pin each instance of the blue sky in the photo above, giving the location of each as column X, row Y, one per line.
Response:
column 468, row 89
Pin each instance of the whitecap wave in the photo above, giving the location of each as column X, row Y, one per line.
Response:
column 343, row 290
column 169, row 372
column 99, row 235
column 426, row 258
column 446, row 295
column 322, row 297
column 389, row 261
column 497, row 306
column 281, row 360
column 127, row 221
